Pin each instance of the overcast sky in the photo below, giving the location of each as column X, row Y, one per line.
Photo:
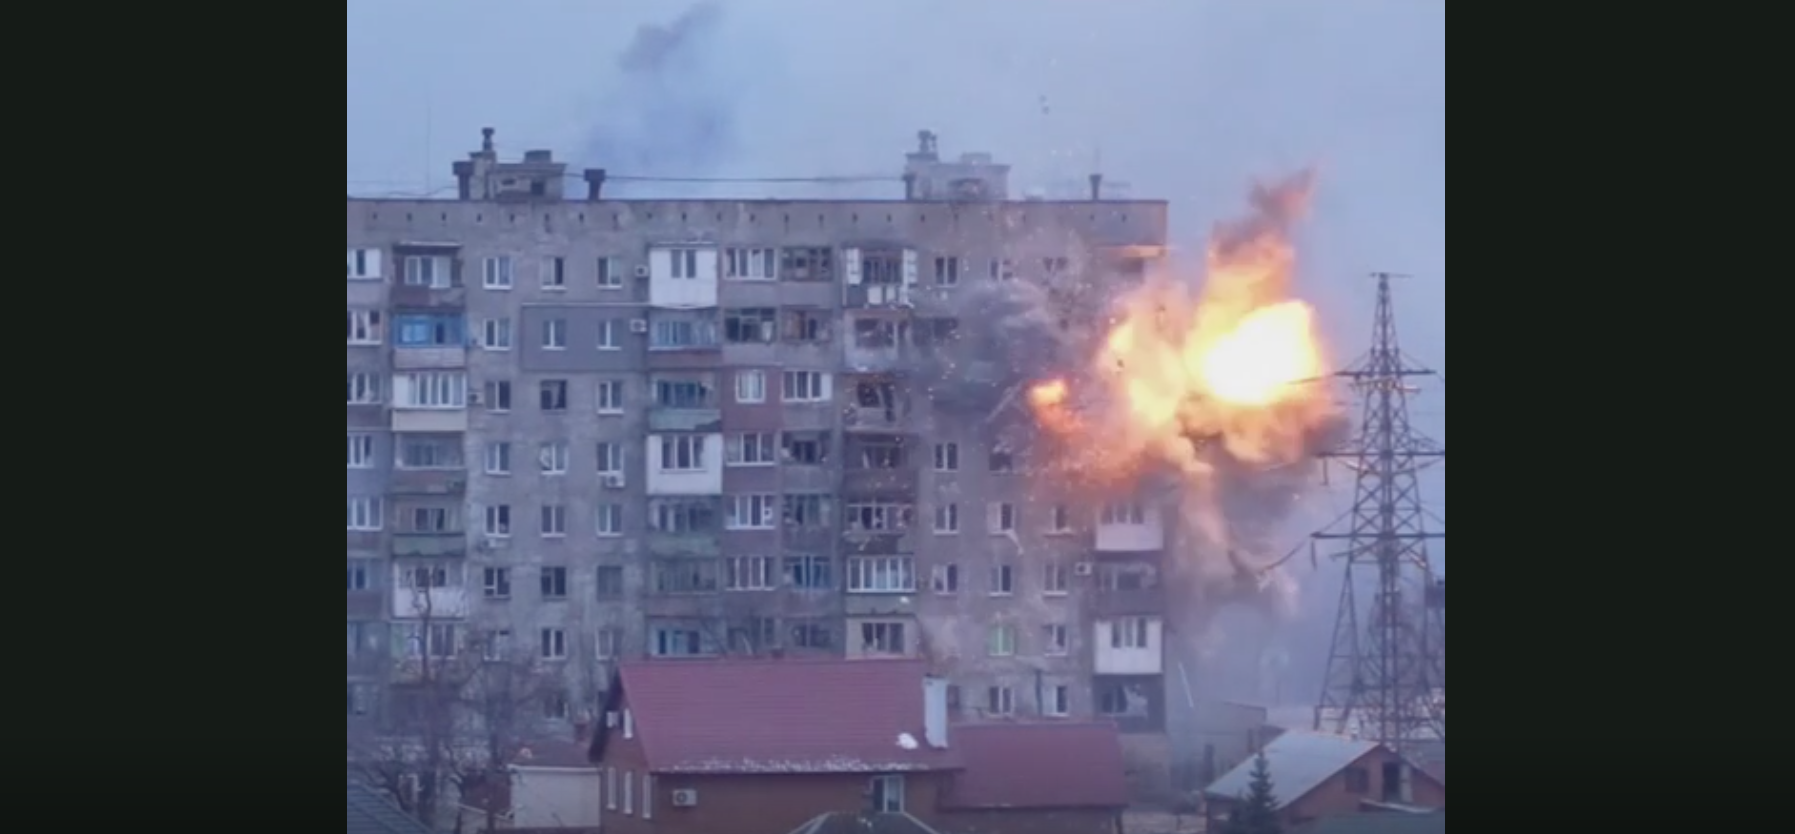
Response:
column 1186, row 100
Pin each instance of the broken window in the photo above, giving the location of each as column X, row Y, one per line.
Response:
column 749, row 325
column 1002, row 460
column 874, row 399
column 684, row 392
column 610, row 581
column 753, row 635
column 883, row 453
column 804, row 326
column 685, row 576
column 806, row 510
column 936, row 331
column 881, row 266
column 880, row 333
column 807, row 264
column 867, row 516
column 809, row 572
column 675, row 515
column 806, row 448
column 882, row 638
column 1122, row 700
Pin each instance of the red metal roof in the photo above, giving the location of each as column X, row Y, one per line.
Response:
column 1038, row 765
column 779, row 716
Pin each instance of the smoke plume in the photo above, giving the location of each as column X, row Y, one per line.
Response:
column 669, row 111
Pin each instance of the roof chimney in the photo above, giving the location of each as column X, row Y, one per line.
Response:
column 1096, row 187
column 910, row 185
column 595, row 183
column 486, row 140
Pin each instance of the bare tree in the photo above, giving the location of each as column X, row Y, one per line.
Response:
column 456, row 711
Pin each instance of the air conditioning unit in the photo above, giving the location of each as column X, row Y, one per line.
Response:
column 1083, row 569
column 641, row 270
column 612, row 480
column 638, row 325
column 685, row 798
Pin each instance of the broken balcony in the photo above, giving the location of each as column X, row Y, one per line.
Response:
column 875, row 402
column 879, row 463
column 879, row 344
column 684, row 527
column 879, row 278
column 877, row 523
column 685, row 402
column 1127, row 589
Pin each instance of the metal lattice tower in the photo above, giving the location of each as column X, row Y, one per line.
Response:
column 1386, row 674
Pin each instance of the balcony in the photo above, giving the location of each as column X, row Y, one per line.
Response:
column 429, row 419
column 666, row 419
column 1125, row 602
column 428, row 298
column 682, row 544
column 876, row 296
column 366, row 605
column 440, row 603
column 429, row 481
column 860, row 418
column 425, row 358
column 430, row 544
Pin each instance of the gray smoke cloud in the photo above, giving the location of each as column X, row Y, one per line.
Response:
column 670, row 111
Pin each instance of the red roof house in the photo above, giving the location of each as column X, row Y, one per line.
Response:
column 758, row 746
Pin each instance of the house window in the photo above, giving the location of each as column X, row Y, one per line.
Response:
column 497, row 273
column 647, row 796
column 496, row 583
column 674, row 641
column 1053, row 579
column 495, row 334
column 430, row 451
column 498, row 458
column 752, row 449
column 1000, row 700
column 430, row 331
column 1059, row 701
column 805, row 386
column 807, row 511
column 752, row 512
column 945, row 579
column 554, row 273
column 554, row 645
column 361, row 575
column 607, row 335
column 1059, row 521
column 610, row 396
column 608, row 580
column 947, row 271
column 888, row 794
column 1124, row 514
column 554, row 583
column 1055, row 640
column 610, row 273
column 610, row 458
column 684, row 262
column 750, row 386
column 809, row 572
column 1000, row 518
column 750, row 264
column 947, row 457
column 364, row 327
column 682, row 516
column 749, row 573
column 551, row 395
column 882, row 638
column 881, row 575
column 1000, row 641
column 364, row 389
column 1002, row 460
column 610, row 520
column 361, row 451
column 435, row 390
column 1128, row 633
column 611, row 788
column 431, row 271
column 551, row 456
column 609, row 642
column 498, row 520
column 682, row 453
column 947, row 519
column 498, row 396
column 677, row 335
column 863, row 516
column 812, row 634
column 364, row 264
column 1003, row 580
column 364, row 513
column 629, row 783
column 750, row 325
column 554, row 334
column 554, row 521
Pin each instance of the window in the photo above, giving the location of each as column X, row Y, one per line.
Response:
column 807, row 264
column 865, row 516
column 431, row 520
column 629, row 784
column 434, row 271
column 1000, row 700
column 1059, row 701
column 425, row 451
column 807, row 511
column 607, row 335
column 1054, row 265
column 497, row 275
column 678, row 515
column 364, row 513
column 554, row 334
column 1002, row 269
column 888, row 794
column 361, row 451
column 1059, row 521
column 498, row 520
column 497, row 394
column 554, row 645
column 750, row 386
column 685, row 576
column 611, row 788
column 806, row 448
column 881, row 575
column 364, row 389
column 609, row 581
column 750, row 264
column 676, row 641
column 609, row 642
column 1358, row 780
column 881, row 333
column 498, row 458
column 684, row 262
column 610, row 458
column 812, row 573
column 945, row 579
column 679, row 335
column 495, row 334
column 1003, row 580
column 1000, row 518
column 361, row 575
column 682, row 453
column 754, row 325
column 554, row 521
column 551, row 456
column 496, row 583
column 429, row 331
column 676, row 392
column 752, row 512
column 364, row 327
column 551, row 395
column 610, row 274
column 749, row 573
column 1000, row 641
column 752, row 449
column 1054, row 640
column 1128, row 633
column 609, row 520
column 811, row 634
column 1124, row 514
column 364, row 264
column 554, row 583
column 947, row 519
column 610, row 396
column 1002, row 460
column 427, row 575
column 805, row 387
column 804, row 326
column 435, row 390
column 947, row 271
column 554, row 273
column 947, row 457
column 882, row 638
column 1053, row 579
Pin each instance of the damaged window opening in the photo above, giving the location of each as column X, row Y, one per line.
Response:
column 878, row 515
column 945, row 579
column 750, row 325
column 685, row 576
column 1002, row 269
column 881, row 333
column 1055, row 265
column 807, row 511
column 804, row 326
column 806, row 448
column 881, row 454
column 813, row 573
column 935, row 331
column 1119, row 699
column 877, row 397
column 674, row 515
column 885, row 267
column 750, row 264
column 807, row 264
column 882, row 638
column 675, row 392
column 947, row 271
column 552, row 395
column 1002, row 460
column 812, row 634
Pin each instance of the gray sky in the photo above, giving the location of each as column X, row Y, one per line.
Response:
column 1187, row 99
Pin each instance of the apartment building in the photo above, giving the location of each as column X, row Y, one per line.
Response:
column 597, row 429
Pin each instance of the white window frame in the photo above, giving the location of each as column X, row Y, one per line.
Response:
column 878, row 516
column 1059, row 520
column 497, row 457
column 809, row 386
column 1000, row 518
column 892, row 787
column 552, row 457
column 1059, row 701
column 647, row 795
column 491, row 395
column 361, row 450
column 947, row 270
column 683, row 263
column 610, row 789
column 1000, row 700
column 750, row 573
column 1056, row 640
column 437, row 277
column 763, row 444
column 757, row 511
column 947, row 519
column 629, row 785
column 365, row 327
column 366, row 513
column 610, row 396
column 608, row 523
column 495, row 582
column 1003, row 580
column 554, row 273
column 900, row 630
column 495, row 273
column 364, row 263
column 1054, row 582
column 552, row 521
column 554, row 334
column 676, row 446
column 751, row 264
column 944, row 580
column 608, row 642
column 1130, row 633
column 498, row 521
column 947, row 457
column 751, row 386
column 881, row 574
column 1000, row 640
column 609, row 454
column 607, row 335
column 495, row 334
column 610, row 273
column 364, row 388
column 1124, row 513
column 435, row 390
column 551, row 643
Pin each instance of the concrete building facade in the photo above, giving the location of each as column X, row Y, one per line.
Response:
column 596, row 429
